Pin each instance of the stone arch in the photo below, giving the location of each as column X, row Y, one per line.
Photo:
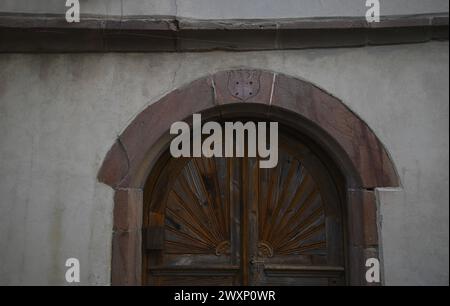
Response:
column 354, row 148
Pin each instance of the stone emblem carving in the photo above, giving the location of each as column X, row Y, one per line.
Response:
column 244, row 84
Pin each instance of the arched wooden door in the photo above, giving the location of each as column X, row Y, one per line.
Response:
column 225, row 221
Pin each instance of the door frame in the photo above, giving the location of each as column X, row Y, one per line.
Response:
column 355, row 151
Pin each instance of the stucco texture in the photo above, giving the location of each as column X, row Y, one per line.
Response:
column 60, row 114
column 230, row 9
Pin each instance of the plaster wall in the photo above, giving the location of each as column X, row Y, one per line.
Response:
column 230, row 9
column 60, row 114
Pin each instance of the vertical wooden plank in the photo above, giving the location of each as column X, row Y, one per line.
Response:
column 245, row 223
column 235, row 186
column 256, row 270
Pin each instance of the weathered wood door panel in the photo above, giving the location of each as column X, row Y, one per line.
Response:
column 225, row 221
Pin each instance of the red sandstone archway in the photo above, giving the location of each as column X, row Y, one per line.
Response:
column 351, row 144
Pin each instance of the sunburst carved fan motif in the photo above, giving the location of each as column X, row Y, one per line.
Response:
column 290, row 216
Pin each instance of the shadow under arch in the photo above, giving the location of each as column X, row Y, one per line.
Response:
column 324, row 120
